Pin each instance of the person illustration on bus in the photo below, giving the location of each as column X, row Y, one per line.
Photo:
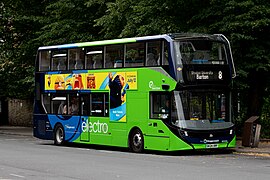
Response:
column 116, row 95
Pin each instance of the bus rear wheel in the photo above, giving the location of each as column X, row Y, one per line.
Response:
column 59, row 135
column 136, row 141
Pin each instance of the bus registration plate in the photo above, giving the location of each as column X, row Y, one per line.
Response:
column 211, row 146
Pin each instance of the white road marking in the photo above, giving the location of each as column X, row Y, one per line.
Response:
column 16, row 175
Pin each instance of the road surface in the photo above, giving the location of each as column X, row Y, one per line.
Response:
column 30, row 158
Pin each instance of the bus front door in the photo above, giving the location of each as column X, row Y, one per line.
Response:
column 85, row 134
column 84, row 103
column 158, row 136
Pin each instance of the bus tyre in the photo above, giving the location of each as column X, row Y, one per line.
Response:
column 136, row 142
column 59, row 135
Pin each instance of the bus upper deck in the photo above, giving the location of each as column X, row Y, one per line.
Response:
column 186, row 51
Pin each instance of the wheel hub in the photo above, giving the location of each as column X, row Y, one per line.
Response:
column 137, row 140
column 59, row 135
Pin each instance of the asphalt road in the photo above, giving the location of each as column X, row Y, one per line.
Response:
column 29, row 158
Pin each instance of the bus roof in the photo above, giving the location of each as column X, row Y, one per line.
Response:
column 134, row 39
column 104, row 42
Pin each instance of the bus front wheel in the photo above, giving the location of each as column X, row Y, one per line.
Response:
column 136, row 141
column 59, row 135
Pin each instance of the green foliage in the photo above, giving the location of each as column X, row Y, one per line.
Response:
column 265, row 118
column 126, row 18
column 68, row 21
column 18, row 26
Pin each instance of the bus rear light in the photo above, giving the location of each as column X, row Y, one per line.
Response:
column 48, row 125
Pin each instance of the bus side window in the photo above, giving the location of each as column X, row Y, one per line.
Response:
column 94, row 57
column 73, row 106
column 160, row 106
column 108, row 61
column 46, row 103
column 59, row 60
column 44, row 60
column 75, row 59
column 165, row 53
column 99, row 105
column 61, row 108
column 57, row 104
column 153, row 53
column 135, row 55
column 85, row 106
column 114, row 56
column 97, row 62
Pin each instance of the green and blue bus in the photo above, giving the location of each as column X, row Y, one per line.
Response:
column 164, row 92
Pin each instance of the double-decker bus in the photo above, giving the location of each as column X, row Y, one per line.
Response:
column 164, row 92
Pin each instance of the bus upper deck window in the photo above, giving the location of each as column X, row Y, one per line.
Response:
column 165, row 53
column 218, row 53
column 75, row 59
column 153, row 53
column 202, row 52
column 114, row 56
column 134, row 55
column 44, row 60
column 59, row 60
column 94, row 57
column 108, row 61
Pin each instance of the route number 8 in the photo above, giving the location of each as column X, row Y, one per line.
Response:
column 219, row 74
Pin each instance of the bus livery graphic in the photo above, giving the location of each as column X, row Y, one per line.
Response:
column 87, row 81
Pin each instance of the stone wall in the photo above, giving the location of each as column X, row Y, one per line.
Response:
column 20, row 112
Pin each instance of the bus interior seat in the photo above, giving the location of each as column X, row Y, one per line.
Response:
column 108, row 61
column 97, row 64
column 61, row 108
column 78, row 64
column 201, row 57
column 134, row 63
column 158, row 60
column 109, row 64
column 117, row 64
column 150, row 60
column 61, row 65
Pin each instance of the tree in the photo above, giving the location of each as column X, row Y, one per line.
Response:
column 68, row 21
column 127, row 18
column 17, row 30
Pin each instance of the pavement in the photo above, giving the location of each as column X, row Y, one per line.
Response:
column 263, row 148
column 16, row 130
